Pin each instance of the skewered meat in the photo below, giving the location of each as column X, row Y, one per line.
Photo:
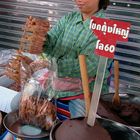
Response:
column 18, row 70
column 39, row 64
column 33, row 37
column 13, row 67
column 35, row 109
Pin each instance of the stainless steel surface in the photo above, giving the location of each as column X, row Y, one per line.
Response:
column 14, row 125
column 117, row 131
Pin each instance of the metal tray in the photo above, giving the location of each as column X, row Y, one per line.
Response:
column 125, row 98
column 14, row 125
column 117, row 130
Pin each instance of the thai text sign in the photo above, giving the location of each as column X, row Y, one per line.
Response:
column 108, row 33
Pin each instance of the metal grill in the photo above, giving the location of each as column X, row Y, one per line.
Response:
column 14, row 12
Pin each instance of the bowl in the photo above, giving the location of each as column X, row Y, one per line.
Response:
column 127, row 113
column 15, row 126
column 116, row 130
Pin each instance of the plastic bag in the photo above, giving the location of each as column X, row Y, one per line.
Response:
column 5, row 56
column 25, row 73
column 18, row 69
column 36, row 107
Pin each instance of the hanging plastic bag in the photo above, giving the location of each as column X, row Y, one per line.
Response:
column 36, row 107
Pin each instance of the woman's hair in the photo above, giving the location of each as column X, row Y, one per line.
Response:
column 103, row 4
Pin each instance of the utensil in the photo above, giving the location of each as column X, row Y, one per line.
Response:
column 116, row 98
column 97, row 90
column 85, row 83
column 14, row 125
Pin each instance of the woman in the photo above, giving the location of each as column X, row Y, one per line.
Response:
column 65, row 42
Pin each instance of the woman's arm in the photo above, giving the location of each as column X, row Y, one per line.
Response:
column 53, row 35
